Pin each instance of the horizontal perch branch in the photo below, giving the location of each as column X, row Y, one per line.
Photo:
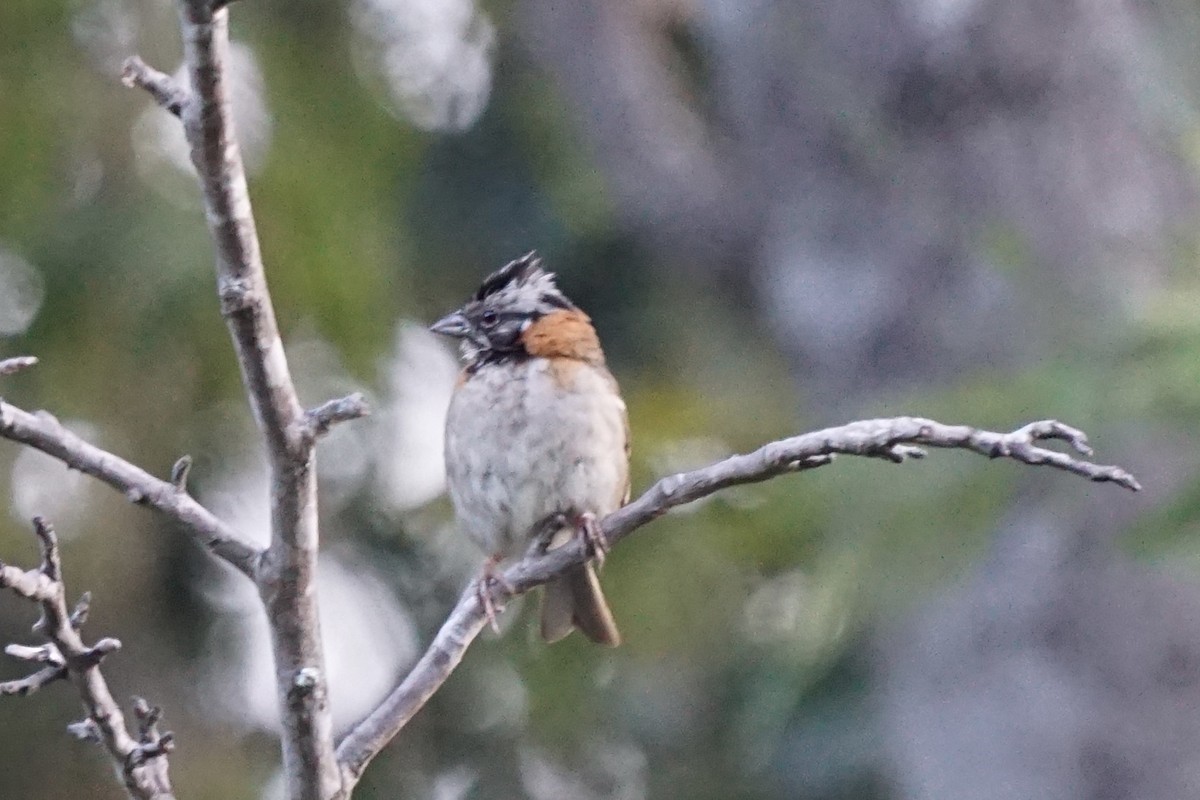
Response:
column 890, row 439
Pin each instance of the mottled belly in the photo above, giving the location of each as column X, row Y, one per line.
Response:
column 526, row 445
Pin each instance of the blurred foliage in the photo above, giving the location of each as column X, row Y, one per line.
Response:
column 743, row 674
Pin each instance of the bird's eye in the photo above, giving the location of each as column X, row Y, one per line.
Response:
column 489, row 318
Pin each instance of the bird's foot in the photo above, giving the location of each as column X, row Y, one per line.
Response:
column 489, row 577
column 593, row 537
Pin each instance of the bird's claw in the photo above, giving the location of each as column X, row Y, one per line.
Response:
column 593, row 537
column 487, row 578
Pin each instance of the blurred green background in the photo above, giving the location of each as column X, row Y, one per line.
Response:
column 781, row 216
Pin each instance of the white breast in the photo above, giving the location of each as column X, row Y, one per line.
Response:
column 523, row 444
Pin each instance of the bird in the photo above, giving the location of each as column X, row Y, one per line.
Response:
column 536, row 438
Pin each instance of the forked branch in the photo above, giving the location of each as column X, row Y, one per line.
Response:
column 890, row 439
column 141, row 762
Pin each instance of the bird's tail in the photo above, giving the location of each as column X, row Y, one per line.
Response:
column 576, row 601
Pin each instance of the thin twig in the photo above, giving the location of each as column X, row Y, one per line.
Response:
column 180, row 471
column 46, row 654
column 31, row 683
column 10, row 366
column 43, row 432
column 343, row 409
column 161, row 86
column 141, row 764
column 890, row 439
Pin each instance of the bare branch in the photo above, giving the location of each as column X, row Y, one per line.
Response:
column 286, row 572
column 79, row 616
column 147, row 717
column 99, row 651
column 887, row 438
column 11, row 365
column 286, row 575
column 343, row 409
column 30, row 684
column 179, row 473
column 242, row 284
column 152, row 742
column 46, row 654
column 86, row 730
column 891, row 439
column 142, row 765
column 161, row 86
column 32, row 585
column 43, row 432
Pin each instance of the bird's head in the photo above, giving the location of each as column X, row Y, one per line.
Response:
column 510, row 300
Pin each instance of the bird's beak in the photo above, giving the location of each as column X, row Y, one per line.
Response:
column 453, row 324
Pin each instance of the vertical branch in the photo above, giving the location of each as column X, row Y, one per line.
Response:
column 287, row 575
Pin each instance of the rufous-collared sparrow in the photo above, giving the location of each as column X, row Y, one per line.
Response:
column 537, row 440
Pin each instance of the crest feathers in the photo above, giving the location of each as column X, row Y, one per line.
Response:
column 519, row 271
